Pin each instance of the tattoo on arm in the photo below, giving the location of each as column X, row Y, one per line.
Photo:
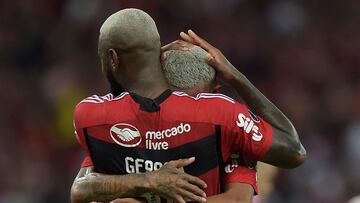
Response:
column 101, row 187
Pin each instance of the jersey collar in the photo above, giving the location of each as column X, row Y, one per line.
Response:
column 151, row 105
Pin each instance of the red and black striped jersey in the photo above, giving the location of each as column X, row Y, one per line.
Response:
column 131, row 134
column 239, row 170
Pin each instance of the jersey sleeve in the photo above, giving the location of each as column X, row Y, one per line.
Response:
column 238, row 171
column 82, row 114
column 246, row 133
column 87, row 162
column 81, row 139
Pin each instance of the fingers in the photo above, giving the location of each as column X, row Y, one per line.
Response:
column 181, row 186
column 210, row 59
column 194, row 190
column 181, row 162
column 196, row 181
column 176, row 45
column 200, row 41
column 179, row 199
column 190, row 196
column 191, row 179
column 186, row 37
column 193, row 38
column 167, row 47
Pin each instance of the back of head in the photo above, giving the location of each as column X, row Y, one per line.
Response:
column 186, row 69
column 133, row 36
column 127, row 30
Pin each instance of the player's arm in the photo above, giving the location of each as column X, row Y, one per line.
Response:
column 168, row 181
column 234, row 193
column 90, row 186
column 286, row 150
column 239, row 181
column 266, row 175
column 79, row 193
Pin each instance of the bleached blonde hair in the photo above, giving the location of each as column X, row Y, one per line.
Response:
column 129, row 29
column 185, row 69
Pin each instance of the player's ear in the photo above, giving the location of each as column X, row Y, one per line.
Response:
column 114, row 59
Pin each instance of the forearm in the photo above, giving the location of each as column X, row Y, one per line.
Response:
column 168, row 182
column 104, row 188
column 260, row 105
column 287, row 150
column 234, row 193
column 218, row 199
column 221, row 199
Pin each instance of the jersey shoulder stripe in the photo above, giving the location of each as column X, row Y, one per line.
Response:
column 101, row 99
column 213, row 95
column 120, row 96
column 206, row 96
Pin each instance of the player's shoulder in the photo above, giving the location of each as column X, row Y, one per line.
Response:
column 92, row 108
column 213, row 102
column 210, row 107
column 96, row 99
column 207, row 98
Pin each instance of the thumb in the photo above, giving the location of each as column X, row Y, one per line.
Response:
column 181, row 162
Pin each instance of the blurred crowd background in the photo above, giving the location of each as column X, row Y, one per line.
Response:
column 303, row 55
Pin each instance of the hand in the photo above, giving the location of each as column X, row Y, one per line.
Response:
column 224, row 69
column 129, row 200
column 175, row 45
column 171, row 182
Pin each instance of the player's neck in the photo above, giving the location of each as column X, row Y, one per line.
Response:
column 149, row 82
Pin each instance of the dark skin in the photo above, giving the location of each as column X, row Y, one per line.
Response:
column 234, row 192
column 136, row 69
column 169, row 182
column 286, row 150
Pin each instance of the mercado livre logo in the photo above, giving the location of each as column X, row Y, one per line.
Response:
column 125, row 135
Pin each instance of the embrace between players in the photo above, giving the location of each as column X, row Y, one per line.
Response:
column 163, row 135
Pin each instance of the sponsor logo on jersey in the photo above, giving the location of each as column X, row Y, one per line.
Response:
column 152, row 137
column 254, row 117
column 182, row 128
column 138, row 165
column 125, row 135
column 249, row 127
column 234, row 163
column 230, row 168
